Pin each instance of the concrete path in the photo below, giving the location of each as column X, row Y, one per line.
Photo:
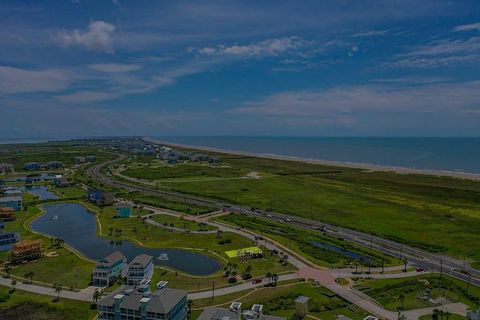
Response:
column 456, row 308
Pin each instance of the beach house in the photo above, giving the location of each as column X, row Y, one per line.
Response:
column 31, row 166
column 124, row 210
column 11, row 202
column 234, row 312
column 130, row 303
column 7, row 239
column 109, row 268
column 140, row 268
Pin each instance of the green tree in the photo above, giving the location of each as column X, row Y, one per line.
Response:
column 14, row 283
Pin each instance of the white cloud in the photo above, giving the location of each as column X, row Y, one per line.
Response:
column 98, row 37
column 271, row 47
column 114, row 67
column 371, row 33
column 431, row 98
column 467, row 27
column 14, row 80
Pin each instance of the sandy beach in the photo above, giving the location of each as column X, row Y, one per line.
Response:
column 364, row 166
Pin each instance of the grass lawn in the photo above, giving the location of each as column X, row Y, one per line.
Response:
column 300, row 241
column 388, row 291
column 69, row 192
column 172, row 221
column 436, row 214
column 20, row 305
column 49, row 269
column 279, row 301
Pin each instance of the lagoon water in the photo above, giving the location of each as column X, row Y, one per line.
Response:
column 41, row 192
column 448, row 154
column 74, row 224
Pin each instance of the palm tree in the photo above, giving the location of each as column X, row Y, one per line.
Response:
column 275, row 278
column 110, row 230
column 26, row 276
column 14, row 283
column 31, row 274
column 268, row 276
column 189, row 310
column 96, row 295
column 8, row 269
column 402, row 298
column 219, row 233
column 58, row 288
column 405, row 262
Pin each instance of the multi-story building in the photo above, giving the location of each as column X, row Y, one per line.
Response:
column 473, row 315
column 54, row 165
column 100, row 198
column 108, row 268
column 6, row 167
column 7, row 214
column 140, row 268
column 7, row 239
column 11, row 202
column 124, row 210
column 235, row 313
column 129, row 303
column 9, row 193
column 31, row 166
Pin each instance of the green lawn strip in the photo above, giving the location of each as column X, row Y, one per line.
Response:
column 161, row 202
column 414, row 209
column 69, row 192
column 171, row 221
column 18, row 305
column 279, row 301
column 452, row 316
column 49, row 269
column 300, row 241
column 388, row 292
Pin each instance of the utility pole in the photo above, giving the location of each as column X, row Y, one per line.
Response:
column 441, row 267
column 469, row 279
column 213, row 290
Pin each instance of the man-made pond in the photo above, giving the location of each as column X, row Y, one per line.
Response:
column 344, row 252
column 44, row 176
column 74, row 224
column 41, row 192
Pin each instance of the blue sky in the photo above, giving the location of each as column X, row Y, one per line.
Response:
column 284, row 68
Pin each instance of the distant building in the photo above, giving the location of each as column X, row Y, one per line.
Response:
column 124, row 210
column 7, row 214
column 235, row 313
column 473, row 315
column 11, row 202
column 91, row 158
column 11, row 193
column 6, row 167
column 2, row 225
column 100, row 198
column 129, row 303
column 140, row 268
column 54, row 165
column 301, row 306
column 108, row 268
column 7, row 239
column 26, row 250
column 32, row 166
column 80, row 159
column 61, row 182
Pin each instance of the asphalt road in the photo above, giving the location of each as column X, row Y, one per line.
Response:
column 417, row 257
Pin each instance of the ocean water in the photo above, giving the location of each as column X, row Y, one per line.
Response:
column 443, row 154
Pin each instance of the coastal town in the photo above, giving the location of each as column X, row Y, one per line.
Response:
column 142, row 251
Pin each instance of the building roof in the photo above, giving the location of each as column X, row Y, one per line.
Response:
column 123, row 205
column 9, row 199
column 302, row 299
column 112, row 258
column 161, row 301
column 215, row 313
column 142, row 259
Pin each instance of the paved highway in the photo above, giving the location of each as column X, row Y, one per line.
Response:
column 414, row 256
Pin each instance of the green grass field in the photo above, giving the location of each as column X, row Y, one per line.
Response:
column 187, row 225
column 235, row 253
column 436, row 214
column 279, row 301
column 388, row 292
column 300, row 241
column 20, row 305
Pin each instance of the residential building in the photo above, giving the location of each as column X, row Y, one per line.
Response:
column 473, row 315
column 80, row 159
column 54, row 165
column 61, row 182
column 2, row 225
column 6, row 167
column 301, row 306
column 7, row 214
column 124, row 210
column 100, row 198
column 7, row 239
column 26, row 250
column 11, row 202
column 108, row 268
column 140, row 268
column 31, row 166
column 235, row 313
column 130, row 303
column 91, row 158
column 10, row 193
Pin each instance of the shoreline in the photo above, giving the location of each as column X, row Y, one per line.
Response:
column 352, row 165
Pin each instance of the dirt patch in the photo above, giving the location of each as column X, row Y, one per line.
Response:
column 254, row 175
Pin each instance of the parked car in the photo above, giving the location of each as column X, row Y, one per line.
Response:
column 256, row 281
